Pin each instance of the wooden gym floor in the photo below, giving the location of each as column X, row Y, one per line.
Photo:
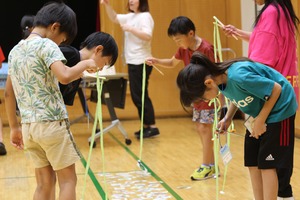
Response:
column 169, row 158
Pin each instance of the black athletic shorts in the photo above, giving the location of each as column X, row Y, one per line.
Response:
column 274, row 148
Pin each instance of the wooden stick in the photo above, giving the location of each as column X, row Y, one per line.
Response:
column 158, row 70
column 222, row 26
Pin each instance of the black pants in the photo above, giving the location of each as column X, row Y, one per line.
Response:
column 135, row 73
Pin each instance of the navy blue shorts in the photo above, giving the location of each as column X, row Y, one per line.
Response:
column 274, row 148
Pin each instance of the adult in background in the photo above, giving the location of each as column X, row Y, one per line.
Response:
column 138, row 26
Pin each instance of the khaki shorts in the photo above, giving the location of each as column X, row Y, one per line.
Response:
column 50, row 143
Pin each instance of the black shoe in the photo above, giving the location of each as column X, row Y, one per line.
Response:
column 148, row 132
column 2, row 149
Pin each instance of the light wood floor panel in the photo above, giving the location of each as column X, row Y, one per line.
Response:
column 172, row 157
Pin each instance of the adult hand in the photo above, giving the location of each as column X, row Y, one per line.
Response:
column 126, row 27
column 105, row 2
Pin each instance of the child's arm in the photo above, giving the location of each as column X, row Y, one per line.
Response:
column 67, row 74
column 259, row 126
column 231, row 30
column 10, row 106
column 226, row 121
column 165, row 62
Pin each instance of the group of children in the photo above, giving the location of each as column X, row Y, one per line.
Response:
column 37, row 79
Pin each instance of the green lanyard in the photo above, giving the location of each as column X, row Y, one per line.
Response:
column 98, row 119
column 216, row 139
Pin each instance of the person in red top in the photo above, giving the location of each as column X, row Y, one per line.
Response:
column 2, row 146
column 182, row 30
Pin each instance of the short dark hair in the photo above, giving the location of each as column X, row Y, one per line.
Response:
column 61, row 13
column 180, row 25
column 26, row 24
column 143, row 6
column 110, row 47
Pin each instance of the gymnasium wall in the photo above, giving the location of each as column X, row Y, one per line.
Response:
column 163, row 90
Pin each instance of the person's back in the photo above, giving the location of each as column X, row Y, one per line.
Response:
column 38, row 95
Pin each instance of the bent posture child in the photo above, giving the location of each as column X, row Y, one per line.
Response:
column 36, row 65
column 259, row 91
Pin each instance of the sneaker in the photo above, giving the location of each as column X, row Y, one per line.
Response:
column 148, row 132
column 2, row 149
column 203, row 172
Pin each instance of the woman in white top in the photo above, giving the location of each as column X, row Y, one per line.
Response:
column 138, row 28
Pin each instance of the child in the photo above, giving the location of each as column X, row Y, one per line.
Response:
column 182, row 30
column 26, row 25
column 259, row 91
column 36, row 65
column 273, row 43
column 93, row 44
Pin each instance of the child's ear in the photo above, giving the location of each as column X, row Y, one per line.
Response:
column 55, row 26
column 208, row 82
column 99, row 49
column 191, row 33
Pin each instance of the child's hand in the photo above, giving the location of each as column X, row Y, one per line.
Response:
column 151, row 61
column 230, row 30
column 16, row 138
column 259, row 128
column 223, row 125
column 92, row 67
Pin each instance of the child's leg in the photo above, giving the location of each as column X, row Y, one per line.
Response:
column 257, row 184
column 205, row 133
column 67, row 180
column 45, row 178
column 270, row 183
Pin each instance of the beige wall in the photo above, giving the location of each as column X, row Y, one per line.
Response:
column 163, row 90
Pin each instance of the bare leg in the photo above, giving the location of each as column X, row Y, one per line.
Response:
column 270, row 183
column 67, row 180
column 205, row 133
column 45, row 178
column 257, row 184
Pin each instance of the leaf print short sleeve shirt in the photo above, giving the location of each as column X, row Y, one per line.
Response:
column 35, row 86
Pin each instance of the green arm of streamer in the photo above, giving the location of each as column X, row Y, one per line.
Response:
column 218, row 49
column 98, row 118
column 142, row 117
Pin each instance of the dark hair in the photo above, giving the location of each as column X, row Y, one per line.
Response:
column 26, row 25
column 60, row 13
column 180, row 25
column 110, row 47
column 190, row 79
column 287, row 8
column 143, row 6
